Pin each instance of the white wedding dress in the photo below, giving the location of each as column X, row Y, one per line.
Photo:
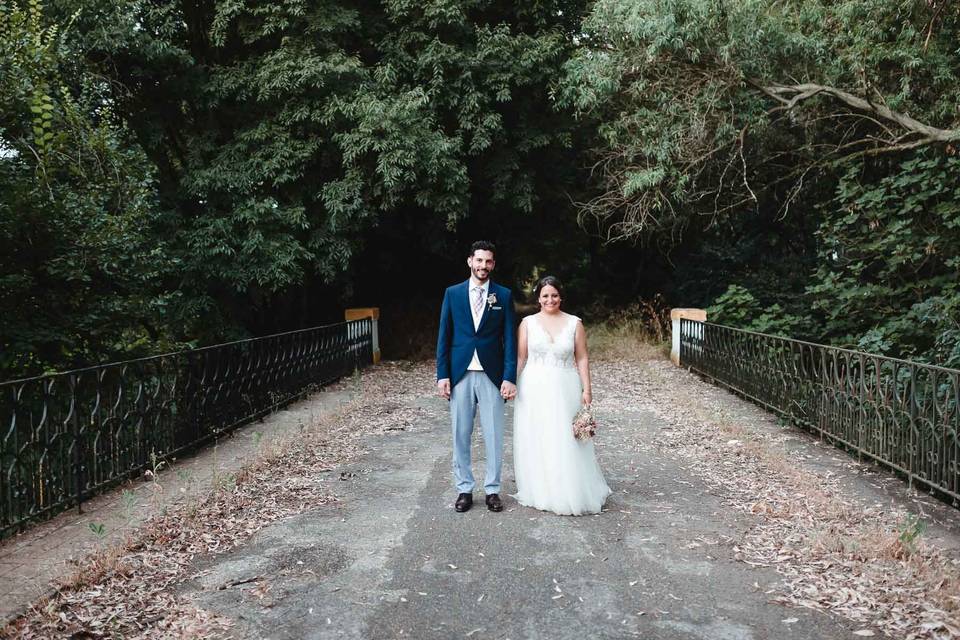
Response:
column 554, row 471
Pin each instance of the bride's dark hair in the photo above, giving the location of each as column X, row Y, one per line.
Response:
column 548, row 281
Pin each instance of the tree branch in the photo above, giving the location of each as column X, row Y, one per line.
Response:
column 791, row 95
column 936, row 14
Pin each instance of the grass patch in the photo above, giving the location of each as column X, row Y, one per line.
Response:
column 640, row 331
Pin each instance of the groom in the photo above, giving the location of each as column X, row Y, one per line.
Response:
column 477, row 367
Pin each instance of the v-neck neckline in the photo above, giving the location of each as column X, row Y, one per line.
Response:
column 550, row 335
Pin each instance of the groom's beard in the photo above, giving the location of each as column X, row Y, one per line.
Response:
column 481, row 278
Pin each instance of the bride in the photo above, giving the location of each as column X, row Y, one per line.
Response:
column 554, row 471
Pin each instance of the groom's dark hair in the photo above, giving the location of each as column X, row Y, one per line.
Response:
column 482, row 245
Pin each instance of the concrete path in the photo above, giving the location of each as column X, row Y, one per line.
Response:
column 394, row 560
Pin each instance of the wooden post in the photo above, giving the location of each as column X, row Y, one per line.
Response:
column 374, row 314
column 675, row 316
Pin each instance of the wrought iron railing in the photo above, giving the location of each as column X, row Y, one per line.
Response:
column 64, row 437
column 903, row 415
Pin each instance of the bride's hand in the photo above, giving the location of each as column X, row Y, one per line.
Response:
column 587, row 398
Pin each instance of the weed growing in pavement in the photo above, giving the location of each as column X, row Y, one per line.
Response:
column 911, row 529
column 215, row 466
column 153, row 474
column 129, row 500
column 227, row 482
column 156, row 464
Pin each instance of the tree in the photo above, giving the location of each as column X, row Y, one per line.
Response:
column 80, row 261
column 284, row 133
column 715, row 118
column 711, row 108
column 888, row 279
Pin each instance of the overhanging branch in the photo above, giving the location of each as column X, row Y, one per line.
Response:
column 791, row 95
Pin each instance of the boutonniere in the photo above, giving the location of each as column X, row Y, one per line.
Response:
column 491, row 299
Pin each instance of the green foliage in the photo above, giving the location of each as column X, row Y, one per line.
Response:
column 737, row 307
column 80, row 263
column 889, row 274
column 886, row 270
column 684, row 96
column 295, row 128
column 911, row 530
column 699, row 136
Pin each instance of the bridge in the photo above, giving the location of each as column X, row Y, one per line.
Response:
column 763, row 488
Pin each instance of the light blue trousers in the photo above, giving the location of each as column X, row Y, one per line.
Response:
column 476, row 390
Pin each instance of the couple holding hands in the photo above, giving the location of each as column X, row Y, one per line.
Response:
column 479, row 357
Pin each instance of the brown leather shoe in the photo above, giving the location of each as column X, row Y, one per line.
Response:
column 494, row 503
column 464, row 502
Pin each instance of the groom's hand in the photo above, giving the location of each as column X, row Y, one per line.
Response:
column 508, row 390
column 443, row 388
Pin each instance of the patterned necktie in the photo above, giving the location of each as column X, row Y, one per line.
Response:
column 477, row 301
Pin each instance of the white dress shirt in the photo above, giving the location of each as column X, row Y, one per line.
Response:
column 471, row 296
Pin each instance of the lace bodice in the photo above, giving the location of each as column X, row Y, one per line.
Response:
column 551, row 350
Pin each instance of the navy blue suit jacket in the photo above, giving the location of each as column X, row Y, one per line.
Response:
column 495, row 340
